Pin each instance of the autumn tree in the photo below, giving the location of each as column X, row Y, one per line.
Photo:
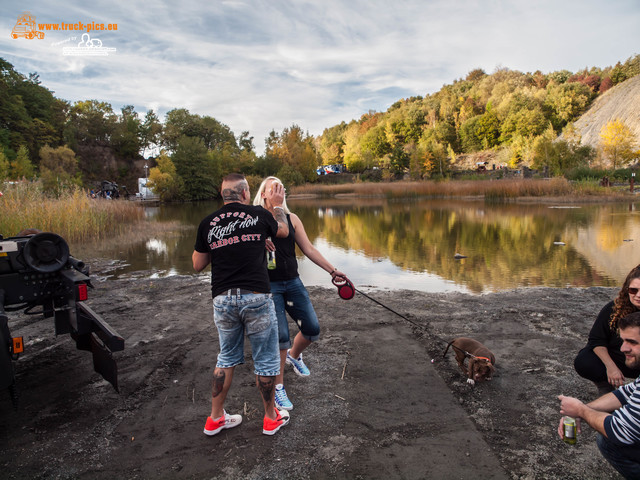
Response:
column 164, row 180
column 618, row 143
column 58, row 169
column 295, row 149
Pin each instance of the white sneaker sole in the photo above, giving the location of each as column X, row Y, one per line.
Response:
column 284, row 422
column 295, row 369
column 219, row 429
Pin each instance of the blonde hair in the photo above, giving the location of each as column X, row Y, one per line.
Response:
column 259, row 200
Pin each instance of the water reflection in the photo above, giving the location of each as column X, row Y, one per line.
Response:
column 412, row 244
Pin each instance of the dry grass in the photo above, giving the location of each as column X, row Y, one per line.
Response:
column 489, row 189
column 74, row 216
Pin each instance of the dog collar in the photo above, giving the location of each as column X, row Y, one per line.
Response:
column 485, row 358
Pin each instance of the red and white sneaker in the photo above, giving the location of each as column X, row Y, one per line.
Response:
column 225, row 421
column 270, row 427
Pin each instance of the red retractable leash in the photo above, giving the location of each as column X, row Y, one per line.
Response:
column 346, row 290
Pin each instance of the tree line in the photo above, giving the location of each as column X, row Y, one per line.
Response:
column 516, row 115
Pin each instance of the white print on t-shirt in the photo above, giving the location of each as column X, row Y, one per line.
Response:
column 220, row 232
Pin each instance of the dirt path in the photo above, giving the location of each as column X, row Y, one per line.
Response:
column 374, row 407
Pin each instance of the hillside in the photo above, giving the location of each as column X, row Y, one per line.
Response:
column 620, row 102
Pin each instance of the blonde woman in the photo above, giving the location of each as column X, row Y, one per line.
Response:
column 289, row 294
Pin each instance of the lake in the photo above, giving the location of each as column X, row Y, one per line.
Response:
column 417, row 244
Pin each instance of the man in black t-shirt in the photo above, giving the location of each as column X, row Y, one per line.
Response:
column 232, row 239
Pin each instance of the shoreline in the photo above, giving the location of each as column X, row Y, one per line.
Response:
column 393, row 412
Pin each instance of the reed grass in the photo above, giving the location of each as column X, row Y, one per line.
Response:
column 489, row 189
column 73, row 215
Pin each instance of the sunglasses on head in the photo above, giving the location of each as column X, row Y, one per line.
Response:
column 633, row 291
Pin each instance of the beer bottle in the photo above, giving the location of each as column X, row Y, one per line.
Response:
column 569, row 430
column 271, row 259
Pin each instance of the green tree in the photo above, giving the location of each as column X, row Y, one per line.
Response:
column 22, row 167
column 150, row 132
column 126, row 138
column 618, row 143
column 290, row 176
column 469, row 138
column 4, row 167
column 58, row 169
column 197, row 168
column 180, row 123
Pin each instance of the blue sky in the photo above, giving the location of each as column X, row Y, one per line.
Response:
column 263, row 65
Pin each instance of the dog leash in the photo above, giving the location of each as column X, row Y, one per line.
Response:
column 346, row 289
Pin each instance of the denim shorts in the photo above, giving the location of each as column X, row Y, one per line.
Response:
column 253, row 314
column 291, row 296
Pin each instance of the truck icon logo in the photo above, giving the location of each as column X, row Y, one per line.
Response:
column 26, row 27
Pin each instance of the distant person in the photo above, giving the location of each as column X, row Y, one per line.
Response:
column 615, row 415
column 601, row 361
column 232, row 239
column 289, row 294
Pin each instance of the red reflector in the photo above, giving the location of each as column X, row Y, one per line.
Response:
column 18, row 345
column 82, row 292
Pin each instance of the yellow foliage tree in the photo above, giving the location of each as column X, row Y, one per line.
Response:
column 163, row 179
column 618, row 143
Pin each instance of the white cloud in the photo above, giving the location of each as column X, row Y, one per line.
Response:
column 262, row 65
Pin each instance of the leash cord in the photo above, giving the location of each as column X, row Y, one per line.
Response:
column 390, row 309
column 467, row 354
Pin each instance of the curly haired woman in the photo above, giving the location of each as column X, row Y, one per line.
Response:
column 601, row 361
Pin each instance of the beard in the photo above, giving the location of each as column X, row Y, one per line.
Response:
column 632, row 362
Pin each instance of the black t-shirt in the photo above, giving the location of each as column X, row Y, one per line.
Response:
column 601, row 334
column 286, row 262
column 235, row 237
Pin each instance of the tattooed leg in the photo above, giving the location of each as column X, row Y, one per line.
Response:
column 219, row 388
column 266, row 386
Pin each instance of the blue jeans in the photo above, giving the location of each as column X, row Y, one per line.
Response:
column 625, row 459
column 254, row 314
column 291, row 296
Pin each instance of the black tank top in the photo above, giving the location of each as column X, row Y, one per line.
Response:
column 286, row 262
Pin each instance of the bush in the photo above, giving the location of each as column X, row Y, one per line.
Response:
column 371, row 175
column 289, row 176
column 586, row 173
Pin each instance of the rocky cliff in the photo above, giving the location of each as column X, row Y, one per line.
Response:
column 621, row 102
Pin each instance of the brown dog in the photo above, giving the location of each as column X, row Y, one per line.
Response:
column 481, row 361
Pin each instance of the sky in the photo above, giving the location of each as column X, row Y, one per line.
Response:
column 259, row 66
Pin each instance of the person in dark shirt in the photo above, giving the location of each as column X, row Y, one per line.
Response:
column 233, row 239
column 615, row 415
column 289, row 294
column 601, row 361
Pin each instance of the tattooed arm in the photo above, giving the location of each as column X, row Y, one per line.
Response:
column 275, row 196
